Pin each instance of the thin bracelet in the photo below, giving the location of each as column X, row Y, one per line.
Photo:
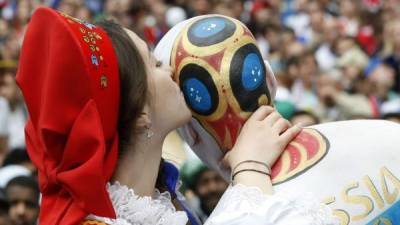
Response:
column 253, row 170
column 252, row 161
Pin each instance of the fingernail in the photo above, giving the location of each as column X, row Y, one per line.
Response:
column 300, row 125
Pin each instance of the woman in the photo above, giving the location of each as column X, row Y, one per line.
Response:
column 100, row 107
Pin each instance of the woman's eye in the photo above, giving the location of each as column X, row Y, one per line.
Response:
column 158, row 63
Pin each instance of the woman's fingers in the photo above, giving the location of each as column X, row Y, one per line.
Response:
column 281, row 125
column 290, row 133
column 262, row 112
column 272, row 118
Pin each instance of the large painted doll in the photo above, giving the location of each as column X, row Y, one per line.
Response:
column 352, row 166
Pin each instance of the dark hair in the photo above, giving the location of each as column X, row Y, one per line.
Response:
column 391, row 115
column 24, row 181
column 133, row 86
column 288, row 30
column 294, row 60
column 16, row 156
column 133, row 80
column 305, row 113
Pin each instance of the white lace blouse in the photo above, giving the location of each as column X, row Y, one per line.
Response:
column 240, row 205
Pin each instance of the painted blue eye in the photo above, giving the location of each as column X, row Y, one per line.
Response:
column 199, row 90
column 210, row 31
column 208, row 27
column 252, row 72
column 197, row 95
column 247, row 77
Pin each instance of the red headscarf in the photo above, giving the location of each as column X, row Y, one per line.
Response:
column 68, row 73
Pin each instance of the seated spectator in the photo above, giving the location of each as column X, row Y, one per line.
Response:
column 22, row 194
column 294, row 49
column 18, row 115
column 349, row 17
column 393, row 59
column 381, row 79
column 352, row 61
column 324, row 53
column 303, row 87
column 336, row 104
column 206, row 184
column 299, row 21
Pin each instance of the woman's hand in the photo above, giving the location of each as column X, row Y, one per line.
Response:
column 263, row 138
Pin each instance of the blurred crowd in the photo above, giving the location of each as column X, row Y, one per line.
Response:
column 333, row 60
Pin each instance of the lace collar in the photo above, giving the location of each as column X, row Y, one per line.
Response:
column 132, row 209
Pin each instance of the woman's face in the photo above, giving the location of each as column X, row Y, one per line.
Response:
column 165, row 102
